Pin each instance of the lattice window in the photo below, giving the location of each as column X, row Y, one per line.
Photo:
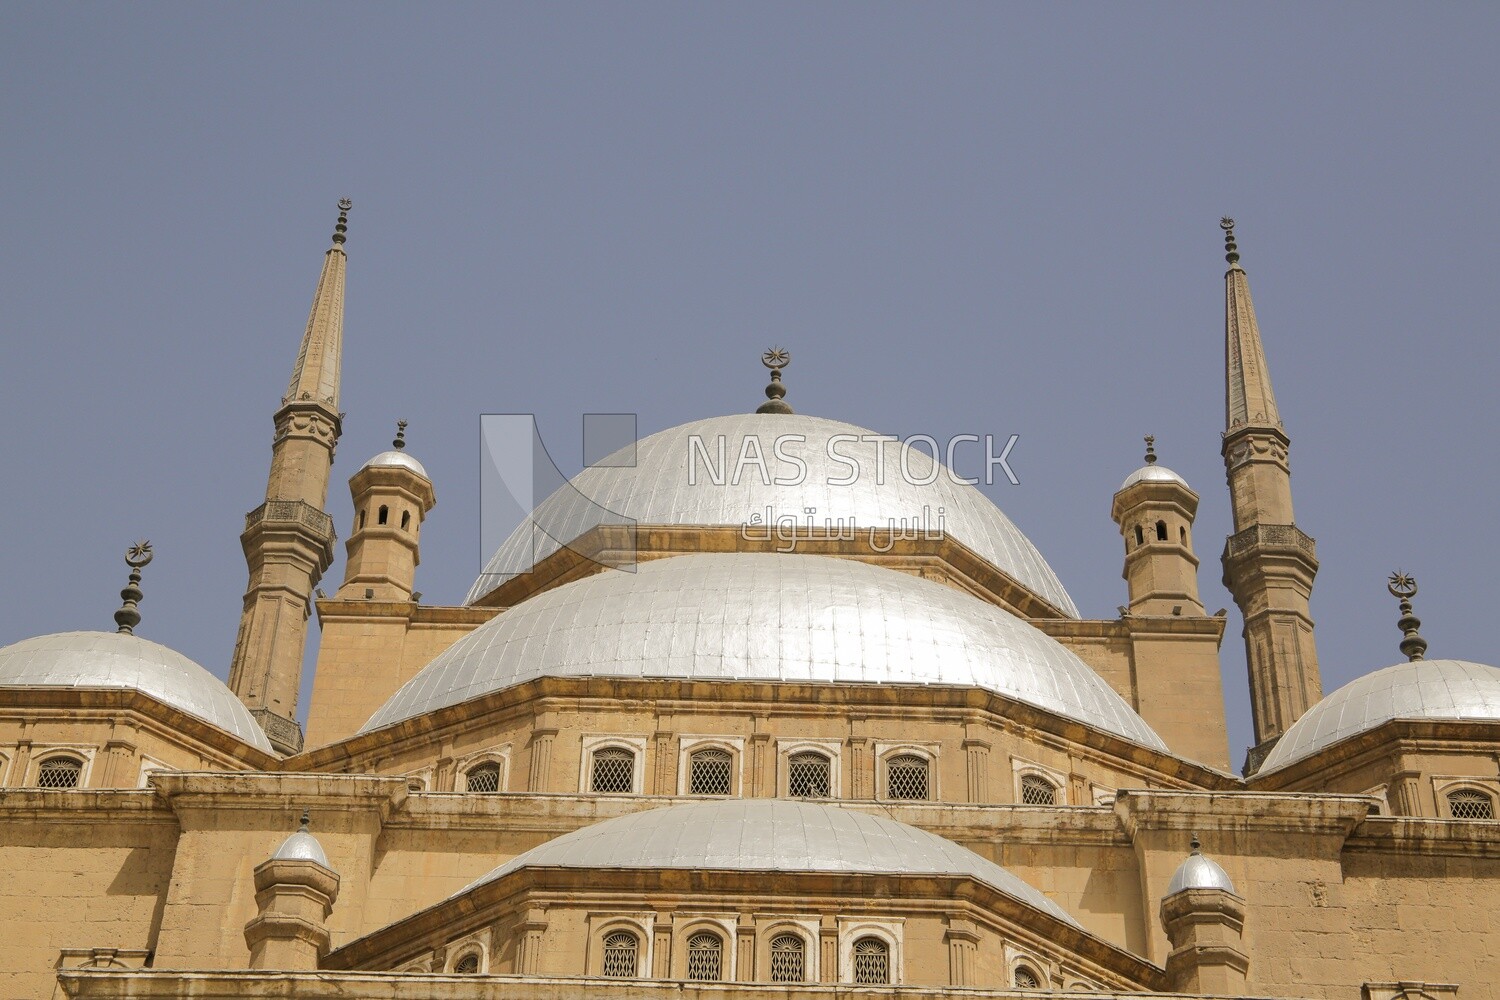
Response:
column 906, row 777
column 788, row 959
column 622, row 951
column 468, row 965
column 1026, row 979
column 872, row 960
column 59, row 772
column 483, row 777
column 709, row 772
column 1470, row 803
column 705, row 956
column 1037, row 791
column 809, row 776
column 614, row 770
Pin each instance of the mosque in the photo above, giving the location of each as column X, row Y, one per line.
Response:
column 661, row 753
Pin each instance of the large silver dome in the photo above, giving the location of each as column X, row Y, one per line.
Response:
column 767, row 617
column 1425, row 689
column 669, row 484
column 117, row 660
column 769, row 835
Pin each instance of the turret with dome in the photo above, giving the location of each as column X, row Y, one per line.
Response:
column 764, row 699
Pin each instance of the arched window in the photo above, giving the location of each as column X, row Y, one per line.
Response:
column 1182, row 534
column 613, row 770
column 788, row 959
column 1037, row 791
column 622, row 951
column 1140, row 536
column 1026, row 979
column 709, row 772
column 1161, row 531
column 705, row 951
column 59, row 772
column 808, row 775
column 468, row 965
column 1470, row 803
column 872, row 961
column 405, row 520
column 361, row 520
column 483, row 777
column 906, row 777
column 385, row 514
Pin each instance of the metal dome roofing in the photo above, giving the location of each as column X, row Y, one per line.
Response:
column 1424, row 689
column 301, row 846
column 770, row 617
column 769, row 835
column 398, row 459
column 1152, row 474
column 669, row 484
column 117, row 660
column 1199, row 872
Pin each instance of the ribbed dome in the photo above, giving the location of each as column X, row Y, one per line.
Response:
column 117, row 660
column 301, row 846
column 1199, row 872
column 1425, row 689
column 398, row 459
column 767, row 617
column 769, row 835
column 670, row 484
column 1152, row 474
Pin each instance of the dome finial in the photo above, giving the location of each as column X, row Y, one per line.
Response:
column 1231, row 249
column 129, row 615
column 342, row 226
column 775, row 359
column 1403, row 587
column 1150, row 449
column 400, row 441
column 1195, row 846
column 306, row 818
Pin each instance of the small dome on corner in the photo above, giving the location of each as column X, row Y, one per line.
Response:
column 1152, row 474
column 397, row 460
column 301, row 846
column 1199, row 872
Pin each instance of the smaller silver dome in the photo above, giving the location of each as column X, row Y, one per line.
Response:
column 1199, row 872
column 769, row 835
column 118, row 660
column 1423, row 689
column 301, row 846
column 397, row 460
column 1152, row 474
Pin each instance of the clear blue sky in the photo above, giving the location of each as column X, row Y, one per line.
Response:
column 961, row 218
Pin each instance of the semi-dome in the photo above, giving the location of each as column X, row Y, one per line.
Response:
column 761, row 616
column 1424, row 689
column 118, row 660
column 399, row 460
column 1152, row 474
column 851, row 480
column 769, row 835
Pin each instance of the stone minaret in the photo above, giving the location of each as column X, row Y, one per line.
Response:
column 288, row 539
column 1269, row 563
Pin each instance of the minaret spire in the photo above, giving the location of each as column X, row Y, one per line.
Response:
column 288, row 539
column 1269, row 563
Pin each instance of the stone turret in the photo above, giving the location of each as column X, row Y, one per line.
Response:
column 1205, row 921
column 392, row 496
column 1155, row 509
column 295, row 890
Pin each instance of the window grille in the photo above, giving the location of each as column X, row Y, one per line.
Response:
column 59, row 772
column 1469, row 803
column 1026, row 979
column 906, row 777
column 621, row 953
column 468, row 965
column 614, row 770
column 1037, row 791
column 788, row 963
column 872, row 961
column 709, row 772
column 809, row 776
column 483, row 778
column 705, row 957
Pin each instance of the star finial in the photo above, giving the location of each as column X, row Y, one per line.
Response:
column 129, row 615
column 342, row 226
column 400, row 441
column 1150, row 449
column 775, row 359
column 1403, row 587
column 1231, row 249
